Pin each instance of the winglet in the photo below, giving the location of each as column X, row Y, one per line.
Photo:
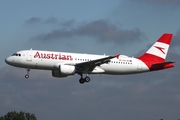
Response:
column 117, row 56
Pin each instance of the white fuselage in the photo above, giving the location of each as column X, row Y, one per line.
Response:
column 49, row 60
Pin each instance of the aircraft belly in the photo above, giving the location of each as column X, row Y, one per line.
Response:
column 120, row 69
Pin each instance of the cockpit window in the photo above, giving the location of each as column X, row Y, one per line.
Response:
column 16, row 54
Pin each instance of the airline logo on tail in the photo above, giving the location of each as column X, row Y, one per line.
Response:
column 160, row 48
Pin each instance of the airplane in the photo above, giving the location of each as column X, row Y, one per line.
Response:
column 63, row 64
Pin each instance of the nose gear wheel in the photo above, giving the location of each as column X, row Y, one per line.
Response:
column 27, row 75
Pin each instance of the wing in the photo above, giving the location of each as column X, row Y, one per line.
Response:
column 90, row 65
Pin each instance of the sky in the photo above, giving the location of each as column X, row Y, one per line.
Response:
column 127, row 27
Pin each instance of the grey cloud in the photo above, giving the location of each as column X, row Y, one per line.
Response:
column 176, row 39
column 50, row 20
column 68, row 23
column 108, row 32
column 175, row 57
column 33, row 20
column 100, row 29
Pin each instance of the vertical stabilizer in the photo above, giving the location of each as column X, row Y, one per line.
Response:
column 157, row 52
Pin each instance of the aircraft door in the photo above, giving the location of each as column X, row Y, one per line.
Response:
column 29, row 55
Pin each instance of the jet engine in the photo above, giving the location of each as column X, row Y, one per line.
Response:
column 64, row 71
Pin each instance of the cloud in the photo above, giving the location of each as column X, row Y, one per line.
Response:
column 50, row 20
column 34, row 20
column 102, row 30
column 176, row 39
column 175, row 57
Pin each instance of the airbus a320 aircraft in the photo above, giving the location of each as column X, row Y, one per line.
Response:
column 63, row 64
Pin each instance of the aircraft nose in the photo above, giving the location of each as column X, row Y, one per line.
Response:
column 7, row 60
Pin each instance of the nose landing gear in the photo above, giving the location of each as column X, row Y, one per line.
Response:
column 27, row 75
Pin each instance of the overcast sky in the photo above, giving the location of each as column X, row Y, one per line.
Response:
column 98, row 26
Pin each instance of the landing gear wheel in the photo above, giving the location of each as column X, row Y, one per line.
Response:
column 81, row 80
column 87, row 79
column 26, row 76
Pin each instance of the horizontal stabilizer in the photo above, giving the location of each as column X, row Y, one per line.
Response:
column 163, row 65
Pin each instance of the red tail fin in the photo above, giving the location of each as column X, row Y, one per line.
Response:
column 155, row 57
column 157, row 53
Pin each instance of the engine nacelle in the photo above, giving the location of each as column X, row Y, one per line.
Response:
column 55, row 73
column 67, row 69
column 64, row 71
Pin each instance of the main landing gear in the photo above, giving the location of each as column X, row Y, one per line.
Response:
column 83, row 80
column 27, row 75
